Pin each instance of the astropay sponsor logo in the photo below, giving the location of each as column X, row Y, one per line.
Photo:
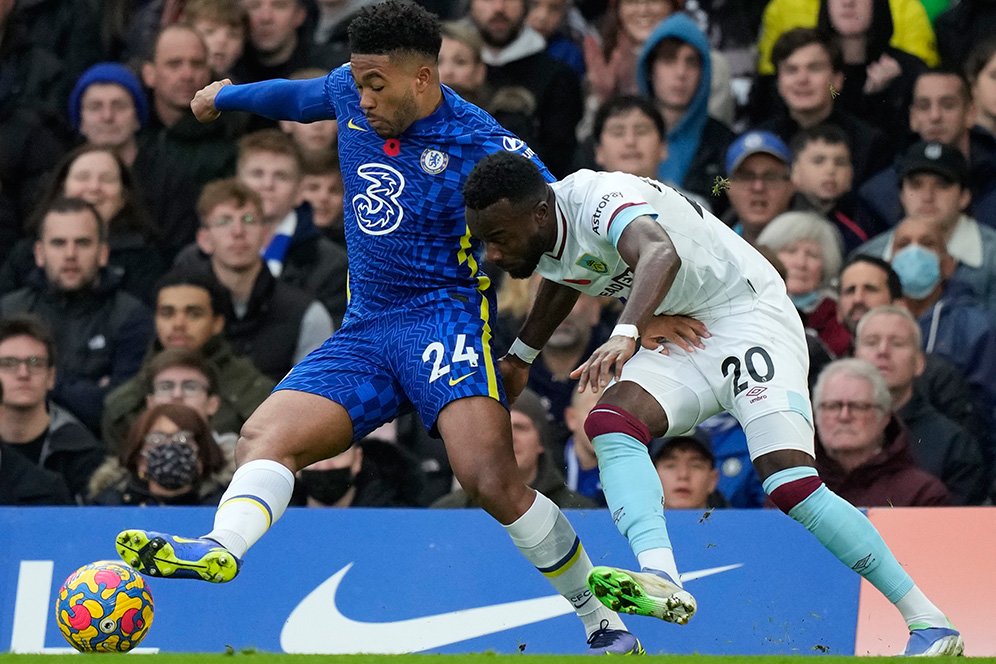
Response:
column 318, row 626
column 596, row 218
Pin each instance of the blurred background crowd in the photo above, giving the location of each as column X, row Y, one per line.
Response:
column 158, row 276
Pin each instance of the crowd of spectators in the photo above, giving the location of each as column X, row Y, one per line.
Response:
column 158, row 276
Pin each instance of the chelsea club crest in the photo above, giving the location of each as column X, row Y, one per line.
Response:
column 434, row 161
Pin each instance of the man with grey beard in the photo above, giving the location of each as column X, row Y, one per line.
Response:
column 516, row 56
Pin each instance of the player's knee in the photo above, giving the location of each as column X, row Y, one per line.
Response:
column 605, row 419
column 788, row 495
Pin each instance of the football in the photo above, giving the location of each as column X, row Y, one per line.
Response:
column 104, row 607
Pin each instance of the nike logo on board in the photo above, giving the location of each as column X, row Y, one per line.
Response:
column 317, row 626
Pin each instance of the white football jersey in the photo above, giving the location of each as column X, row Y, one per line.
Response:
column 720, row 273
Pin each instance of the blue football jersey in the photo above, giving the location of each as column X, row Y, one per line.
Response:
column 404, row 210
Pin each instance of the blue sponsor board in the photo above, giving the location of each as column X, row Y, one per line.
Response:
column 447, row 581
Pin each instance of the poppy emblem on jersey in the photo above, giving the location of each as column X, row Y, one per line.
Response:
column 392, row 147
column 593, row 263
column 434, row 161
column 377, row 209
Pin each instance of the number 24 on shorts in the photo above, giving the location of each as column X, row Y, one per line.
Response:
column 436, row 353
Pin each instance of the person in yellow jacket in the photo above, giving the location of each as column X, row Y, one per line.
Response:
column 912, row 33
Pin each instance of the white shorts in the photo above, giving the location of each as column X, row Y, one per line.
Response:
column 754, row 363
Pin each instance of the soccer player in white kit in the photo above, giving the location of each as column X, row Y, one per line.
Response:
column 677, row 268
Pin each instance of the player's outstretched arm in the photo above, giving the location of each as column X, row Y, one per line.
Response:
column 552, row 304
column 650, row 254
column 301, row 101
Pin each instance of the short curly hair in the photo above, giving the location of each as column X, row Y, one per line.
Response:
column 503, row 175
column 395, row 26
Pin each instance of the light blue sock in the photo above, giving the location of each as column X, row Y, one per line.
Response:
column 632, row 490
column 846, row 533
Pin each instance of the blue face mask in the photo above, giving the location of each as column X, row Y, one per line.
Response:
column 919, row 270
column 806, row 302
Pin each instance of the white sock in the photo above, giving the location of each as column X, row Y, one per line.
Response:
column 661, row 559
column 256, row 498
column 547, row 540
column 917, row 609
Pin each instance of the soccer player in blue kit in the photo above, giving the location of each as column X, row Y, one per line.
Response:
column 418, row 328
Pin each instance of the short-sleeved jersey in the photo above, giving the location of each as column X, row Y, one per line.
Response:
column 404, row 209
column 720, row 273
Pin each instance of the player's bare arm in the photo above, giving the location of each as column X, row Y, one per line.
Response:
column 649, row 252
column 203, row 102
column 552, row 304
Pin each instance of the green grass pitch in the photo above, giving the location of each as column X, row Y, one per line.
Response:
column 482, row 658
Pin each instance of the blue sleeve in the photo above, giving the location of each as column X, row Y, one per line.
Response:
column 279, row 99
column 622, row 217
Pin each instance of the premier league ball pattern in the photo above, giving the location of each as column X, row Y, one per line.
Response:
column 104, row 607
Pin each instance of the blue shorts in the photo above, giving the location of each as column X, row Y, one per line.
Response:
column 421, row 355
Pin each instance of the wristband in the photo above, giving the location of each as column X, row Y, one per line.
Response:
column 523, row 351
column 631, row 331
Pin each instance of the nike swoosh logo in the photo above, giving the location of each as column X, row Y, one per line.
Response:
column 353, row 125
column 317, row 626
column 454, row 381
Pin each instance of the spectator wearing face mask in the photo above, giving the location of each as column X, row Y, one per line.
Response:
column 170, row 458
column 371, row 473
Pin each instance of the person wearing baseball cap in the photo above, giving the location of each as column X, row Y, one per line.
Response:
column 934, row 185
column 759, row 188
column 687, row 468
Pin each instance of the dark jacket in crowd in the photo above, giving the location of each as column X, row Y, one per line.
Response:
column 945, row 450
column 101, row 335
column 242, row 387
column 133, row 259
column 890, row 478
column 68, row 449
column 869, row 148
column 559, row 104
column 878, row 197
column 268, row 333
column 944, row 386
column 24, row 483
column 887, row 109
column 549, row 481
column 204, row 152
column 313, row 263
column 33, row 132
column 960, row 330
column 961, row 27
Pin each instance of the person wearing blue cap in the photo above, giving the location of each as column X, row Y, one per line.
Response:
column 108, row 107
column 760, row 189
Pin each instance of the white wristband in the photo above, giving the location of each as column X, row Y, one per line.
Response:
column 523, row 351
column 631, row 331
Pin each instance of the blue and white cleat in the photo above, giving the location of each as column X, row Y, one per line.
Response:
column 169, row 556
column 648, row 592
column 934, row 642
column 605, row 641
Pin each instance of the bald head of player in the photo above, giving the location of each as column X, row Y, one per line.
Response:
column 394, row 48
column 510, row 208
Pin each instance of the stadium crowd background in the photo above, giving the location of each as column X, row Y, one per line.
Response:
column 158, row 276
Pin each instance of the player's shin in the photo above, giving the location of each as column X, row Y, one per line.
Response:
column 631, row 485
column 548, row 541
column 257, row 496
column 851, row 537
